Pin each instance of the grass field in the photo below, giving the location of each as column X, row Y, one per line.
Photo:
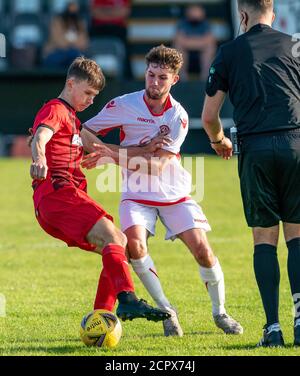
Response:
column 49, row 287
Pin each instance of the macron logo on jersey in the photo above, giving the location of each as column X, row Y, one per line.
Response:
column 111, row 105
column 148, row 121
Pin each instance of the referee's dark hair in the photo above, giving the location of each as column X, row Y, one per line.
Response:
column 261, row 6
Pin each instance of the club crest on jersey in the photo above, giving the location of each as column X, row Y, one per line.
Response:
column 111, row 104
column 77, row 140
column 164, row 130
column 184, row 123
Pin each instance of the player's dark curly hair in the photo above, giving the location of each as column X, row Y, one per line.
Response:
column 165, row 57
column 87, row 70
column 262, row 6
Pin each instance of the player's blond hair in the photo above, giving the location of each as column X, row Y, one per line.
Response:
column 84, row 69
column 261, row 6
column 165, row 57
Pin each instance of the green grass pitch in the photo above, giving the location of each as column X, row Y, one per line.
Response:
column 49, row 287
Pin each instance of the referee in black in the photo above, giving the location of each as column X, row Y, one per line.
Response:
column 261, row 72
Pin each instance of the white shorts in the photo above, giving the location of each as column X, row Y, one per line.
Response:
column 176, row 218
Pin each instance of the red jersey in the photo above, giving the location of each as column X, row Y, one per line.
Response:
column 64, row 151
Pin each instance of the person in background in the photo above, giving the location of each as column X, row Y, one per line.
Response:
column 62, row 206
column 195, row 41
column 109, row 18
column 142, row 115
column 260, row 72
column 68, row 38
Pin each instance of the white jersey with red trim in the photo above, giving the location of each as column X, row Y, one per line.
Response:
column 139, row 125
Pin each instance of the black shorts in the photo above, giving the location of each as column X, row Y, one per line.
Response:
column 269, row 170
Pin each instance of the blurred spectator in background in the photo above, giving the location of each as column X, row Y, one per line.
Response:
column 68, row 38
column 109, row 18
column 195, row 41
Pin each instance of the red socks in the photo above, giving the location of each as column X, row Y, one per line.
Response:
column 115, row 277
column 106, row 296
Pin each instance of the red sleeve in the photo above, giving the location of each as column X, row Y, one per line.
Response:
column 51, row 116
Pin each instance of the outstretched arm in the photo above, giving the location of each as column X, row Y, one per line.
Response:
column 98, row 149
column 148, row 163
column 39, row 168
column 89, row 140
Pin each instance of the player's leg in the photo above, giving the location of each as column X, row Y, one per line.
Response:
column 289, row 187
column 212, row 275
column 267, row 274
column 116, row 272
column 143, row 264
column 191, row 229
column 104, row 234
column 266, row 268
column 106, row 296
column 259, row 177
column 83, row 223
column 144, row 267
column 138, row 222
column 292, row 238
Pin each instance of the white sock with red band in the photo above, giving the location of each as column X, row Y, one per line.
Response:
column 214, row 281
column 146, row 272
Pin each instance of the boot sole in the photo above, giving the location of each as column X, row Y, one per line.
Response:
column 130, row 317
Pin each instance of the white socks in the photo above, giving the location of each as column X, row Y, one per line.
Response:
column 146, row 272
column 212, row 277
column 214, row 281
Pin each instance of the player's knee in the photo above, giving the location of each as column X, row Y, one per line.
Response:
column 137, row 248
column 291, row 231
column 268, row 235
column 95, row 239
column 117, row 237
column 204, row 255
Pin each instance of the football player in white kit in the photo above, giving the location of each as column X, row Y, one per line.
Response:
column 165, row 193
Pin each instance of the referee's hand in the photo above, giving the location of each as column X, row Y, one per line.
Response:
column 224, row 149
column 39, row 169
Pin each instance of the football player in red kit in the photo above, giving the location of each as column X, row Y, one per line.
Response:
column 62, row 206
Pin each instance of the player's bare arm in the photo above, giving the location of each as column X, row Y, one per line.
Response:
column 89, row 139
column 91, row 142
column 161, row 159
column 98, row 149
column 150, row 164
column 39, row 168
column 213, row 126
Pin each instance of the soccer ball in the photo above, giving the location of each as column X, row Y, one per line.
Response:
column 100, row 328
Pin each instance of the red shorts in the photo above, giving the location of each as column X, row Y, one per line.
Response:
column 69, row 214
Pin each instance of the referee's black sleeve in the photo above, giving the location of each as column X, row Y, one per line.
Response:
column 218, row 76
